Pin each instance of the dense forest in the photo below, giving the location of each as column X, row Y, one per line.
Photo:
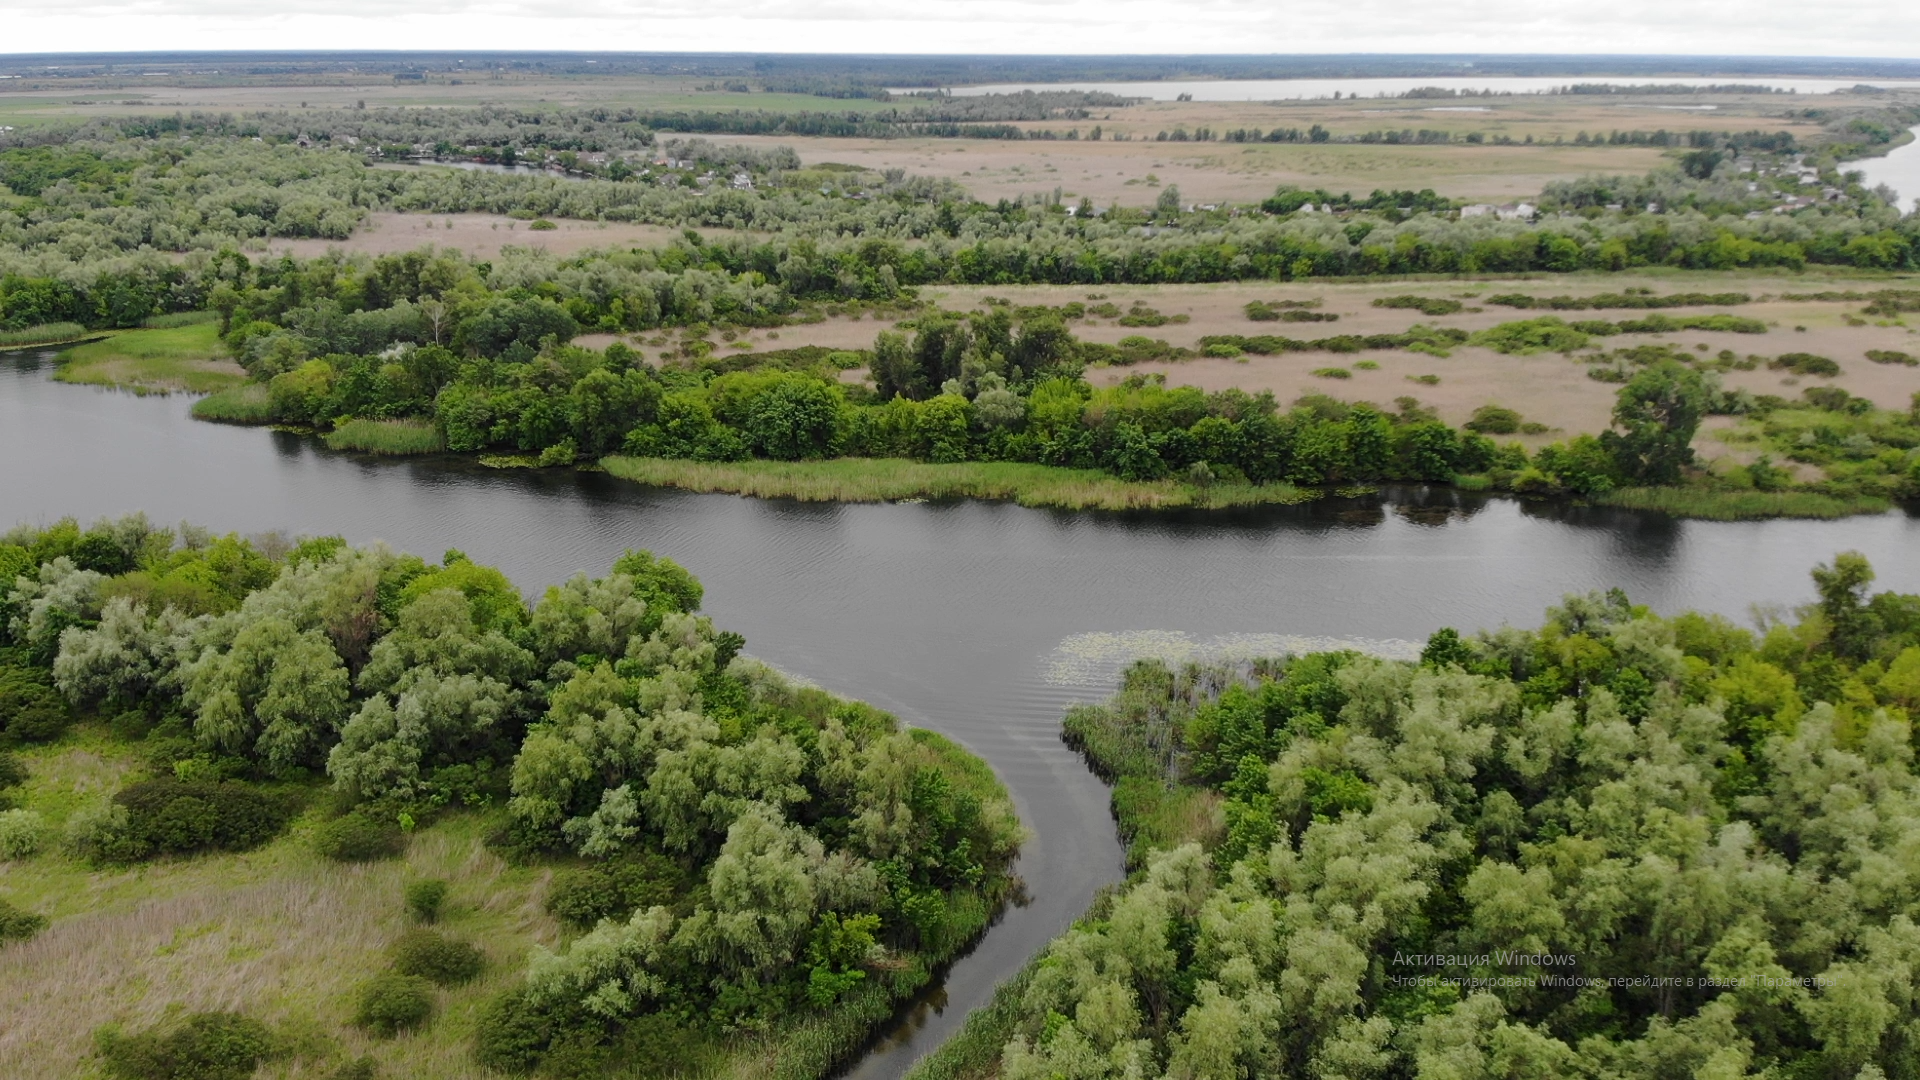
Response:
column 1618, row 845
column 742, row 855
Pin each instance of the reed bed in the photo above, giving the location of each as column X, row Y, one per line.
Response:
column 48, row 334
column 395, row 438
column 247, row 404
column 1740, row 505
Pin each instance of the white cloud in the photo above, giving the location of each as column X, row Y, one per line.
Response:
column 1714, row 27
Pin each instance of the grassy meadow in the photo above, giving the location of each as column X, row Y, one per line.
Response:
column 894, row 479
column 165, row 360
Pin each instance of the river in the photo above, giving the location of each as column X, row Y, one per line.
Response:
column 1899, row 169
column 980, row 620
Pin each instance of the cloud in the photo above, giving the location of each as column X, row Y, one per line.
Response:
column 1715, row 27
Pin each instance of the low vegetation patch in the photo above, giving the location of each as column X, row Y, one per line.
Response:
column 392, row 1003
column 387, row 437
column 1550, row 333
column 1288, row 311
column 186, row 358
column 1892, row 356
column 884, row 480
column 1631, row 298
column 1712, row 505
column 1425, row 305
column 48, row 334
column 437, row 958
column 244, row 404
column 204, row 1046
column 1801, row 363
column 18, row 925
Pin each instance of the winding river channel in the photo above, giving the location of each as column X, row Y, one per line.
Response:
column 980, row 620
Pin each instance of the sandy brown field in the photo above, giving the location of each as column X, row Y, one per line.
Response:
column 1133, row 173
column 1547, row 388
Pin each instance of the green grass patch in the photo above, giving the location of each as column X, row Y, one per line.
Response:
column 1740, row 505
column 244, row 404
column 390, row 437
column 49, row 334
column 187, row 359
column 179, row 318
column 893, row 479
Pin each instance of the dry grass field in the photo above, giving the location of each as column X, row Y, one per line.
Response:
column 279, row 932
column 1106, row 171
column 1132, row 173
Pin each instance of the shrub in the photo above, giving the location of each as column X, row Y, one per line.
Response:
column 513, row 1034
column 1425, row 305
column 390, row 1004
column 1525, row 337
column 1801, row 363
column 582, row 896
column 1494, row 420
column 425, row 897
column 22, row 832
column 437, row 958
column 13, row 772
column 18, row 925
column 541, row 225
column 168, row 815
column 208, row 1046
column 1892, row 356
column 1333, row 373
column 359, row 837
column 30, row 709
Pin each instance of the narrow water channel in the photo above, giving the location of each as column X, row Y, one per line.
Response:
column 979, row 620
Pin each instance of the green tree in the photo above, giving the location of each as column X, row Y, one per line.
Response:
column 1657, row 413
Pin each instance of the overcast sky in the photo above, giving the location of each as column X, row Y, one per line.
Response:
column 1723, row 27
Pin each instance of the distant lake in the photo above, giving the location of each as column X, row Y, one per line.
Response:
column 1899, row 170
column 1301, row 89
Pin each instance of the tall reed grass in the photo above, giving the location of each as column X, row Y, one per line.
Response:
column 246, row 404
column 47, row 334
column 388, row 437
column 1740, row 505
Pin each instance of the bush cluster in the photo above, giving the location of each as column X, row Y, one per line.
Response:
column 205, row 1046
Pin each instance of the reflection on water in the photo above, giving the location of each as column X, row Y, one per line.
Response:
column 952, row 615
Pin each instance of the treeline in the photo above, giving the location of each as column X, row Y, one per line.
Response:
column 1618, row 844
column 762, row 281
column 746, row 855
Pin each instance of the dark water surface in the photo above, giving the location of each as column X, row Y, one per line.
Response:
column 980, row 620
